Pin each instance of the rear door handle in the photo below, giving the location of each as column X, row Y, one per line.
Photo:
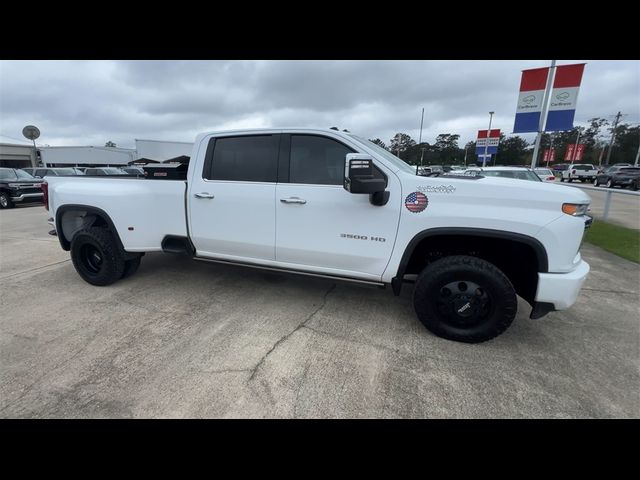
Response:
column 204, row 195
column 301, row 201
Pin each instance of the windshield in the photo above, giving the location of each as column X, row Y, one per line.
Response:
column 7, row 174
column 544, row 171
column 583, row 167
column 519, row 175
column 630, row 170
column 22, row 175
column 395, row 161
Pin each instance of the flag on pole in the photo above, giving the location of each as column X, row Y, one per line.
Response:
column 481, row 141
column 532, row 87
column 562, row 107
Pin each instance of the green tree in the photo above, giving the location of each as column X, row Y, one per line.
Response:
column 400, row 143
column 110, row 144
column 447, row 147
column 512, row 151
column 378, row 142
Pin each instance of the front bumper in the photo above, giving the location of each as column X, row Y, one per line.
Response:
column 28, row 197
column 561, row 289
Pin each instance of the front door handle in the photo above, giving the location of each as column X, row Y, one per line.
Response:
column 301, row 201
column 204, row 195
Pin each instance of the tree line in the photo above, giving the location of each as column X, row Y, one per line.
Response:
column 514, row 150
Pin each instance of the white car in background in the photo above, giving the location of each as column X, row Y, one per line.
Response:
column 518, row 173
column 545, row 174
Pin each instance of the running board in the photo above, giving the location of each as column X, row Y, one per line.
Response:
column 297, row 272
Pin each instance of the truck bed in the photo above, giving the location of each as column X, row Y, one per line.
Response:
column 143, row 211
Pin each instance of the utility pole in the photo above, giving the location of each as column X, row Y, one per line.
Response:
column 543, row 113
column 635, row 164
column 420, row 141
column 613, row 136
column 486, row 145
column 465, row 156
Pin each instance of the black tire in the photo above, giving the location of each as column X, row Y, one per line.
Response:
column 635, row 186
column 5, row 200
column 562, row 179
column 595, row 182
column 464, row 298
column 96, row 256
column 609, row 184
column 131, row 266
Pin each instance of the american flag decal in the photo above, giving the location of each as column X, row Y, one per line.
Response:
column 416, row 202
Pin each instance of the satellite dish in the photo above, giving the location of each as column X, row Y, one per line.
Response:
column 31, row 132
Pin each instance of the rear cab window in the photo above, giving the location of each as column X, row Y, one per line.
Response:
column 247, row 158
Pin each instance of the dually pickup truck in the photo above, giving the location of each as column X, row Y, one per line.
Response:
column 331, row 204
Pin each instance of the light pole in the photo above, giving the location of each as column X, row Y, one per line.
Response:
column 486, row 145
column 575, row 150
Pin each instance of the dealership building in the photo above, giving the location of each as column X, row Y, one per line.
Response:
column 23, row 156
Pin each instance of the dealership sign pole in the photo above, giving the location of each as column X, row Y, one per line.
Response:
column 543, row 114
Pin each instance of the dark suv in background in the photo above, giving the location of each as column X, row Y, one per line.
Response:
column 17, row 186
column 621, row 176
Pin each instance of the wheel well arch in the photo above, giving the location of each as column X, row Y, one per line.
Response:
column 71, row 218
column 519, row 256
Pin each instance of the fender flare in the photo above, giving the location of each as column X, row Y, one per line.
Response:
column 64, row 243
column 538, row 248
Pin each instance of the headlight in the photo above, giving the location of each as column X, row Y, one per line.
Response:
column 575, row 209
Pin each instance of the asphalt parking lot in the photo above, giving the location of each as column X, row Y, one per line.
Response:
column 183, row 338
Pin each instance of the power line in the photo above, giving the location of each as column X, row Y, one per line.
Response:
column 13, row 138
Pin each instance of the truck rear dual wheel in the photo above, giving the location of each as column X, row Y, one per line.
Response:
column 464, row 298
column 97, row 257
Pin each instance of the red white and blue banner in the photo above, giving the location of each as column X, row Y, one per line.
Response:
column 562, row 106
column 532, row 86
column 481, row 141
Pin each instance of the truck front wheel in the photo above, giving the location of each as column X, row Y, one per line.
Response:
column 5, row 200
column 464, row 298
column 97, row 256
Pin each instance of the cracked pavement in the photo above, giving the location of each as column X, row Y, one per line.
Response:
column 189, row 339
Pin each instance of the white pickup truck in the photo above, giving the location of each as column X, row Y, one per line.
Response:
column 585, row 172
column 332, row 204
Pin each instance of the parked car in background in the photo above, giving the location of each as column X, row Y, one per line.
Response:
column 585, row 172
column 104, row 171
column 545, row 174
column 18, row 186
column 132, row 170
column 518, row 173
column 559, row 167
column 49, row 172
column 619, row 176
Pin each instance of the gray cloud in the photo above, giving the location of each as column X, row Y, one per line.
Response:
column 90, row 102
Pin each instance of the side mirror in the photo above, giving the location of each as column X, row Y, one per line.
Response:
column 358, row 175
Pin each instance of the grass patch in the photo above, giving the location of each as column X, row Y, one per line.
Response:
column 622, row 241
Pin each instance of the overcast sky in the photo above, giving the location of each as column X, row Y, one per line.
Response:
column 91, row 102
